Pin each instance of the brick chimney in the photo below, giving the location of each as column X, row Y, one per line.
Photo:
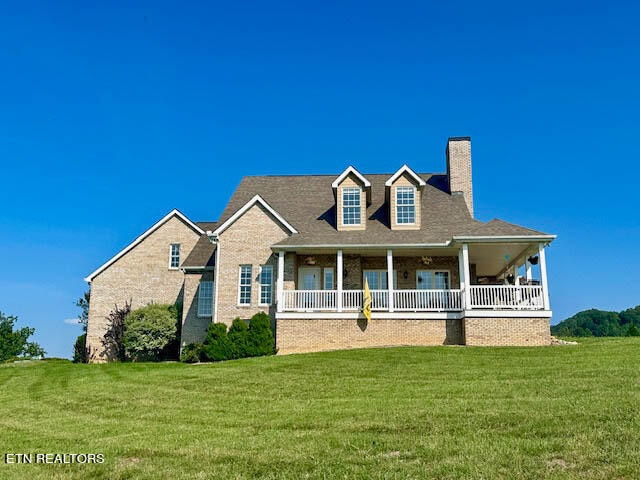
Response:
column 459, row 169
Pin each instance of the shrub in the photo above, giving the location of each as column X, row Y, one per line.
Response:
column 191, row 353
column 261, row 341
column 217, row 345
column 148, row 330
column 80, row 349
column 239, row 338
column 113, row 340
column 172, row 350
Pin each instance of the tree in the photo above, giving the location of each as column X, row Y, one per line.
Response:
column 83, row 304
column 80, row 349
column 217, row 345
column 113, row 340
column 633, row 331
column 15, row 344
column 148, row 330
column 239, row 338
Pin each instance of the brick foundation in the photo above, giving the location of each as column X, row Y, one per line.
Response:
column 506, row 331
column 312, row 335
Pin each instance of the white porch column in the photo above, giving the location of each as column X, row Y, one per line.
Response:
column 465, row 278
column 339, row 280
column 543, row 275
column 527, row 267
column 390, row 278
column 280, row 284
column 516, row 275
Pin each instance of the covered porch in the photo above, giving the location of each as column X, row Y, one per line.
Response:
column 478, row 275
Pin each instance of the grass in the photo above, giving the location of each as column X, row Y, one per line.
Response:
column 441, row 412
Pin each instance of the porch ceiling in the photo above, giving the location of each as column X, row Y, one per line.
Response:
column 491, row 258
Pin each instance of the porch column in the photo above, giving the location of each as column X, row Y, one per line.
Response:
column 339, row 280
column 516, row 276
column 390, row 278
column 527, row 267
column 280, row 284
column 543, row 275
column 465, row 276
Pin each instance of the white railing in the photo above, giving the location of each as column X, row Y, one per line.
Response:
column 495, row 297
column 309, row 300
column 427, row 300
column 507, row 297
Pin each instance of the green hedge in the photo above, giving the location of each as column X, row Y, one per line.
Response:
column 240, row 341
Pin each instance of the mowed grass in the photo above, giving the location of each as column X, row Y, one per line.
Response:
column 441, row 412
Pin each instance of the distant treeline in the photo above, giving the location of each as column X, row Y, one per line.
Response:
column 598, row 323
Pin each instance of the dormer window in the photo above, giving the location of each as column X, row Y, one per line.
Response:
column 351, row 206
column 406, row 205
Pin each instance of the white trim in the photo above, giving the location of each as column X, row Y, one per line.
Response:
column 260, row 304
column 361, row 246
column 391, row 273
column 216, row 282
column 140, row 238
column 504, row 238
column 403, row 169
column 508, row 313
column 359, row 206
column 241, row 211
column 543, row 275
column 240, row 284
column 171, row 255
column 414, row 315
column 280, row 280
column 350, row 169
column 324, row 278
column 339, row 278
column 467, row 276
column 415, row 196
column 374, row 315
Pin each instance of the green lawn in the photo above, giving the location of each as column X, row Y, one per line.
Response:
column 441, row 412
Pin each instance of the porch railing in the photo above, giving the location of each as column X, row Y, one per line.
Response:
column 427, row 300
column 507, row 297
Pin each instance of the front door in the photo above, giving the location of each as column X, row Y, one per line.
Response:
column 309, row 278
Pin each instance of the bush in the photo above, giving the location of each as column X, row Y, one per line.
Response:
column 261, row 341
column 148, row 330
column 172, row 350
column 239, row 338
column 113, row 340
column 80, row 349
column 191, row 353
column 217, row 345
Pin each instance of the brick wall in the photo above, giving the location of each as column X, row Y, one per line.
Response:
column 312, row 335
column 248, row 242
column 142, row 275
column 506, row 331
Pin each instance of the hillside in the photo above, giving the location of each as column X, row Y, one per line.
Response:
column 600, row 323
column 396, row 413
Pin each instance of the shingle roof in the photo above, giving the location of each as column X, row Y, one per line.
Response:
column 203, row 253
column 497, row 227
column 308, row 203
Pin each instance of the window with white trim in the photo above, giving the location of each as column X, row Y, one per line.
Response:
column 174, row 255
column 205, row 299
column 377, row 279
column 244, row 285
column 266, row 284
column 351, row 206
column 432, row 280
column 405, row 205
column 327, row 281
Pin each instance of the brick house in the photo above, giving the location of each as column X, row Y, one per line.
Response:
column 300, row 247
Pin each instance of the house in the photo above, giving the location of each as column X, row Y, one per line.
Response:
column 300, row 247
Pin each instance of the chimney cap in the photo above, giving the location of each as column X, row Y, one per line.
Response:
column 459, row 139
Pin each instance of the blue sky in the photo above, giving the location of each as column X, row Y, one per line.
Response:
column 113, row 113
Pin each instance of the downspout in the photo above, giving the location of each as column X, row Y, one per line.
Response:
column 214, row 239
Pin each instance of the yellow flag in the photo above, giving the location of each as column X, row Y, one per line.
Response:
column 366, row 304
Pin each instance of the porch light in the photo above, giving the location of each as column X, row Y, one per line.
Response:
column 533, row 260
column 310, row 261
column 405, row 275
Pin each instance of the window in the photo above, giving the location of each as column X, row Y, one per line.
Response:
column 205, row 299
column 244, row 286
column 328, row 279
column 377, row 279
column 405, row 205
column 266, row 284
column 351, row 206
column 432, row 280
column 174, row 255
